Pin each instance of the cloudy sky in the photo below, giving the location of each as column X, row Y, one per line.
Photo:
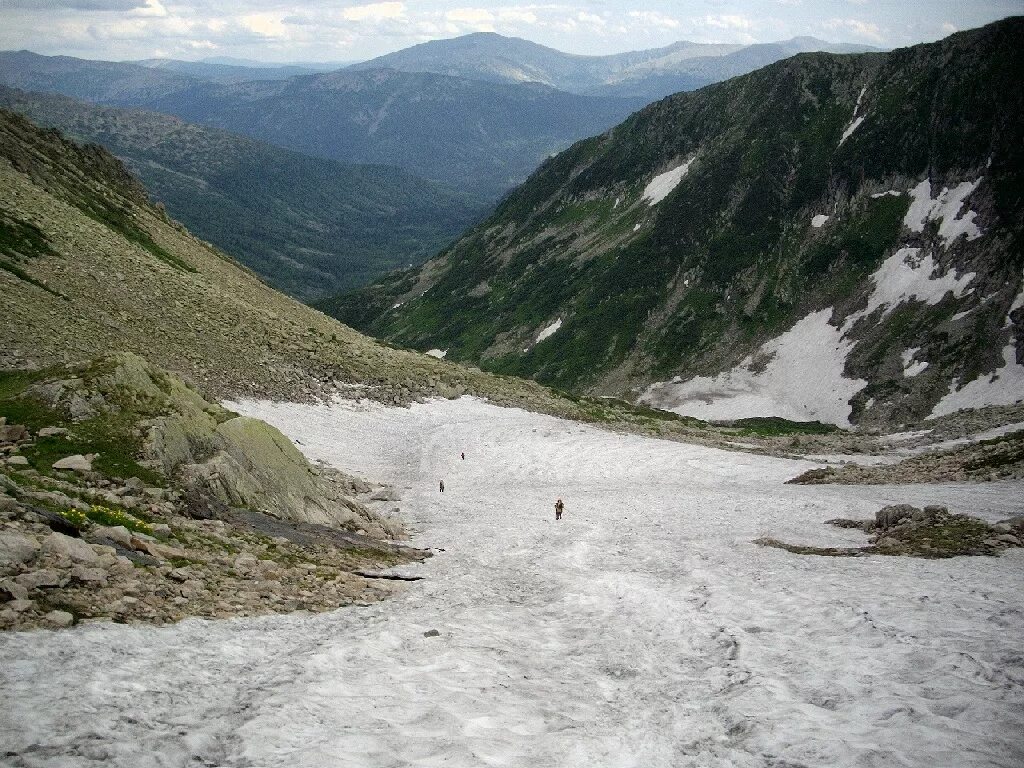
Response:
column 343, row 30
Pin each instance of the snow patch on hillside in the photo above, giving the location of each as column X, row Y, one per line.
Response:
column 912, row 368
column 660, row 186
column 548, row 330
column 802, row 381
column 907, row 276
column 947, row 207
column 1004, row 386
column 850, row 129
column 819, row 220
column 438, row 353
column 856, row 120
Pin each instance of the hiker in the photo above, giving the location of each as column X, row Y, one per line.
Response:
column 559, row 506
column 463, row 455
column 442, row 486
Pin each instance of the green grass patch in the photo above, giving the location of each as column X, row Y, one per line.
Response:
column 771, row 426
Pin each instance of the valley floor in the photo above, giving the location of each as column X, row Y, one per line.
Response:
column 644, row 629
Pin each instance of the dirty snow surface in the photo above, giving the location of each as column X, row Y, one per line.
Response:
column 642, row 630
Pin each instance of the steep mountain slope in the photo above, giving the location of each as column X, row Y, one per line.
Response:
column 838, row 236
column 483, row 137
column 649, row 74
column 310, row 227
column 89, row 267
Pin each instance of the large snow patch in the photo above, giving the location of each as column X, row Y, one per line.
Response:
column 802, row 381
column 660, row 186
column 644, row 629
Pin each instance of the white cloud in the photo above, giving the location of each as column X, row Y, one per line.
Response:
column 471, row 19
column 374, row 12
column 264, row 24
column 152, row 8
column 655, row 19
column 729, row 21
column 862, row 29
column 517, row 15
column 949, row 28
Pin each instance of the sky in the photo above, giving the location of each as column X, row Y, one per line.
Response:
column 349, row 30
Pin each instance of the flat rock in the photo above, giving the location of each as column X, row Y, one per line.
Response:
column 59, row 619
column 52, row 431
column 116, row 533
column 76, row 549
column 17, row 461
column 17, row 547
column 89, row 575
column 76, row 463
column 46, row 577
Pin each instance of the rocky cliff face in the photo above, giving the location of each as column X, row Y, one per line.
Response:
column 831, row 237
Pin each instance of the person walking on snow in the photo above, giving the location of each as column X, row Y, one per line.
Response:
column 559, row 506
column 442, row 486
column 463, row 456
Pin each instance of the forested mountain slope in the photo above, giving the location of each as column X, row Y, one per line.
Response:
column 831, row 237
column 309, row 226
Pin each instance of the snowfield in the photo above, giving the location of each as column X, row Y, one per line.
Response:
column 642, row 630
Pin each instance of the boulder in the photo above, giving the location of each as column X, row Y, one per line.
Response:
column 12, row 433
column 115, row 533
column 17, row 547
column 12, row 590
column 65, row 546
column 52, row 431
column 76, row 463
column 892, row 515
column 17, row 461
column 89, row 575
column 20, row 606
column 47, row 577
column 59, row 619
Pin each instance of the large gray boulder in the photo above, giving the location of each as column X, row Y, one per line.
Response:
column 17, row 548
column 76, row 463
column 66, row 546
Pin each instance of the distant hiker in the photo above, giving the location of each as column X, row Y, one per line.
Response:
column 442, row 486
column 559, row 506
column 463, row 456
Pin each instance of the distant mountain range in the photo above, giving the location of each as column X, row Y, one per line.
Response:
column 649, row 74
column 480, row 112
column 311, row 227
column 830, row 237
column 481, row 136
column 216, row 72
